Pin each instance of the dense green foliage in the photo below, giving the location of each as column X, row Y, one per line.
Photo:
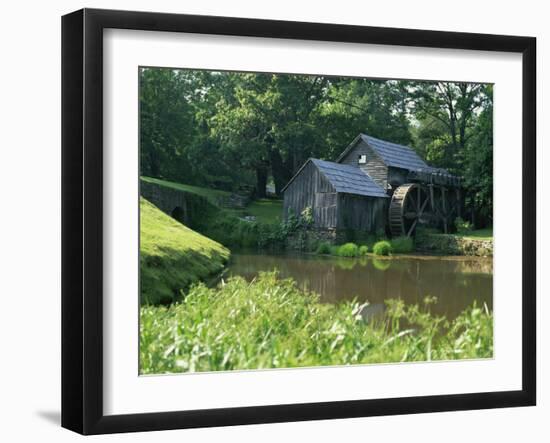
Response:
column 323, row 248
column 348, row 250
column 462, row 226
column 382, row 247
column 271, row 323
column 172, row 256
column 363, row 250
column 402, row 245
column 229, row 130
column 231, row 231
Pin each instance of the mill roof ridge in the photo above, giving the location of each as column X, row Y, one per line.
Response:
column 396, row 155
column 345, row 179
column 349, row 179
column 393, row 154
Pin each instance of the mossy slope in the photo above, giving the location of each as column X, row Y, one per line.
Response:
column 172, row 256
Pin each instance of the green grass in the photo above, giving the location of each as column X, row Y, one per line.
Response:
column 271, row 323
column 213, row 195
column 479, row 234
column 173, row 256
column 266, row 210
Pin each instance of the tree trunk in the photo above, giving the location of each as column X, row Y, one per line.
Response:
column 278, row 170
column 261, row 181
column 154, row 163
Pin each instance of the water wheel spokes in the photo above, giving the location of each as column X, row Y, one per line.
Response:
column 407, row 208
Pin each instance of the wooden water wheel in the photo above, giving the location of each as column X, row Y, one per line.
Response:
column 409, row 206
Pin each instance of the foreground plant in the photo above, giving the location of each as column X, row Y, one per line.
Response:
column 271, row 323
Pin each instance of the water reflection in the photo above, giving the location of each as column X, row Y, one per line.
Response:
column 456, row 283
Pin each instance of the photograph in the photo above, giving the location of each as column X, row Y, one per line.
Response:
column 291, row 220
column 275, row 222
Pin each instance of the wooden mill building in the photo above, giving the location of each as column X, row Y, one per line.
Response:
column 374, row 185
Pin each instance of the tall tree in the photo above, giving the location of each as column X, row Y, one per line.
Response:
column 478, row 164
column 453, row 107
column 268, row 124
column 454, row 129
column 166, row 121
column 376, row 107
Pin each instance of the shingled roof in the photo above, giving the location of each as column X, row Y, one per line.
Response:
column 345, row 179
column 393, row 154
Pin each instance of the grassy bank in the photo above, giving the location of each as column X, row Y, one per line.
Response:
column 213, row 195
column 266, row 210
column 226, row 226
column 173, row 256
column 270, row 323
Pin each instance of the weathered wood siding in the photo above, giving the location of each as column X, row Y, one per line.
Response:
column 311, row 189
column 362, row 213
column 374, row 167
column 324, row 210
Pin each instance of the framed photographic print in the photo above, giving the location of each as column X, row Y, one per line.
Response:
column 269, row 221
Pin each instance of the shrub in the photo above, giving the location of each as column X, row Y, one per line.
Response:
column 323, row 248
column 231, row 231
column 363, row 250
column 462, row 226
column 306, row 217
column 402, row 244
column 348, row 250
column 382, row 248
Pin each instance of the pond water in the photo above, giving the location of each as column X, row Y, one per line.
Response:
column 456, row 282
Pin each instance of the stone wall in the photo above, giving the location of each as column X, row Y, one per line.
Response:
column 166, row 199
column 454, row 245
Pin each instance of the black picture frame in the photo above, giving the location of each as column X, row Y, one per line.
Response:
column 82, row 218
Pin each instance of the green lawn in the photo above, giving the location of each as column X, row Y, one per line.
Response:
column 211, row 194
column 479, row 234
column 173, row 256
column 266, row 210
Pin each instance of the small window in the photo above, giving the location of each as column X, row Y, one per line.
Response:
column 362, row 159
